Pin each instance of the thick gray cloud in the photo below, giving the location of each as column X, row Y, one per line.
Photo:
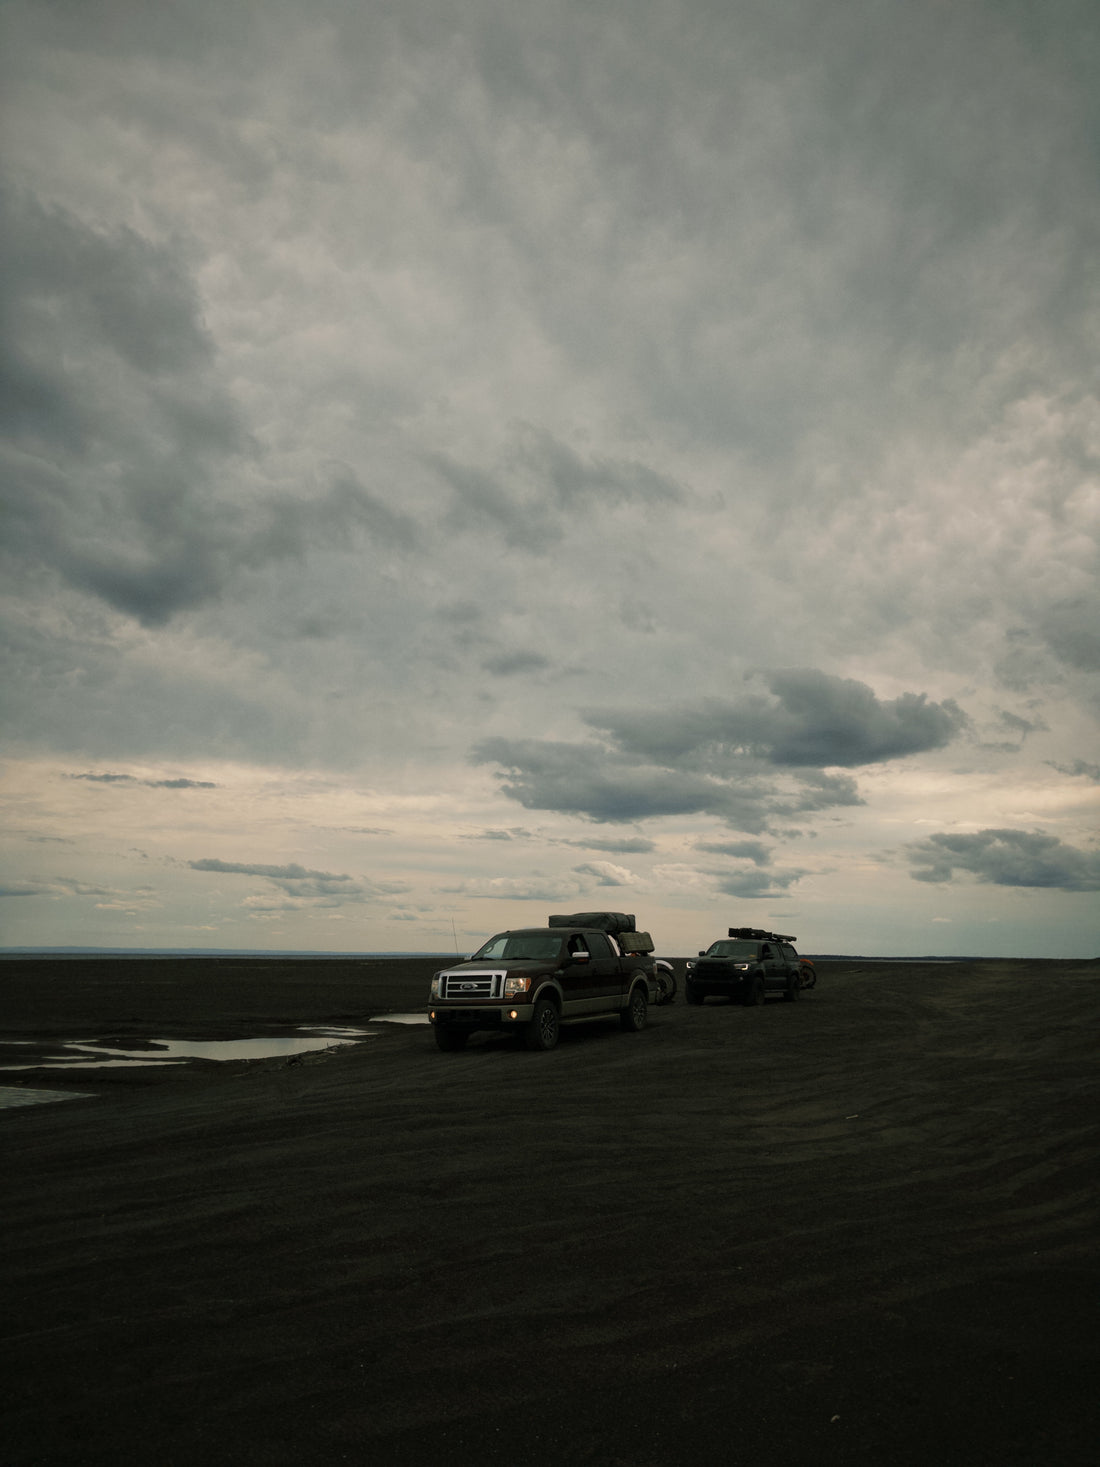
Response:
column 810, row 719
column 1006, row 858
column 615, row 786
column 709, row 758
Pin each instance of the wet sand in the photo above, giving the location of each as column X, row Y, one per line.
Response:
column 858, row 1229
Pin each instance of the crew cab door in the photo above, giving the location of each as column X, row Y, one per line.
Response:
column 608, row 975
column 774, row 965
column 581, row 978
column 794, row 967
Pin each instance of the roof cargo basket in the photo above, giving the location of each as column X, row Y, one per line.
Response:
column 760, row 935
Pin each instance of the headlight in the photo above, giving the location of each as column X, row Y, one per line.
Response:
column 512, row 986
column 436, row 985
column 689, row 965
column 741, row 967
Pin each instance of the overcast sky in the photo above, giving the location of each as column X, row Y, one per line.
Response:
column 468, row 461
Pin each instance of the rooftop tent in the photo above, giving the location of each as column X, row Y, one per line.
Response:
column 612, row 922
column 760, row 935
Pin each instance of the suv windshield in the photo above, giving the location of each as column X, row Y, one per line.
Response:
column 514, row 947
column 732, row 947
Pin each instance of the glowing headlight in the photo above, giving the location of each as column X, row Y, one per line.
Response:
column 512, row 986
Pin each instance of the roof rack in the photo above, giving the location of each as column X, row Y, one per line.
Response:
column 760, row 935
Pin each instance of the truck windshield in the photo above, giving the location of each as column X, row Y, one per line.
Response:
column 732, row 947
column 514, row 947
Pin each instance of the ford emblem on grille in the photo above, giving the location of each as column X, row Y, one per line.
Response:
column 467, row 987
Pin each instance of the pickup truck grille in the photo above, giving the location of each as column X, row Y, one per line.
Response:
column 473, row 985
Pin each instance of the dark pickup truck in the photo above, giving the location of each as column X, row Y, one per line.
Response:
column 748, row 965
column 531, row 980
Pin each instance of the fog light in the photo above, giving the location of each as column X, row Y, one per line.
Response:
column 514, row 1014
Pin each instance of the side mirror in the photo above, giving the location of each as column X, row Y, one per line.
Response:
column 580, row 957
column 702, row 954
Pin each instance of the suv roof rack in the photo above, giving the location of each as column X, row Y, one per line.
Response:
column 760, row 935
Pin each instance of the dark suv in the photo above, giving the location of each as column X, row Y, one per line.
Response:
column 748, row 965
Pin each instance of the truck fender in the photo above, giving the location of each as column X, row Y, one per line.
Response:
column 632, row 982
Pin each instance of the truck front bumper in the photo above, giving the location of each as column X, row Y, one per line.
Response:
column 480, row 1016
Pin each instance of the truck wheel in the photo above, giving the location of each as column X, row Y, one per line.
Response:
column 666, row 987
column 633, row 1017
column 542, row 1031
column 754, row 992
column 692, row 994
column 793, row 988
column 450, row 1039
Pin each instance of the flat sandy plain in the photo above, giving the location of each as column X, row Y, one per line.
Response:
column 858, row 1229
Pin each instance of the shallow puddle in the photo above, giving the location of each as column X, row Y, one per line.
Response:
column 100, row 1054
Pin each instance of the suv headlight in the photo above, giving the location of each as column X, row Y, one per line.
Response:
column 437, row 985
column 512, row 986
column 689, row 965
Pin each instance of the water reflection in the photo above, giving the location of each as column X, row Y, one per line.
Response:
column 101, row 1054
column 173, row 1051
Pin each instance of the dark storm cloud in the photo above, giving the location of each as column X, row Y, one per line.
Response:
column 1006, row 858
column 811, row 719
column 583, row 779
column 707, row 758
column 121, row 430
column 619, row 788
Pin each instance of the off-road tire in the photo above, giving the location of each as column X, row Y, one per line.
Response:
column 754, row 993
column 633, row 1017
column 545, row 1026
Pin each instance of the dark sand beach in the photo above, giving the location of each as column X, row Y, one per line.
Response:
column 858, row 1229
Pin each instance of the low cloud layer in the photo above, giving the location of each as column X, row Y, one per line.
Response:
column 807, row 718
column 1006, row 858
column 720, row 758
